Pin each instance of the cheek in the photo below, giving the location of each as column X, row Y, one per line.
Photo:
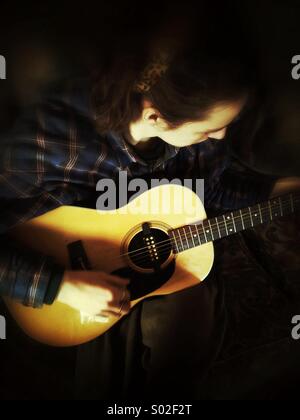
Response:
column 180, row 137
column 172, row 136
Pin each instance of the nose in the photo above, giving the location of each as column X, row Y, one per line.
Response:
column 219, row 135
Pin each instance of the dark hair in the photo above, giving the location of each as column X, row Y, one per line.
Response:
column 212, row 65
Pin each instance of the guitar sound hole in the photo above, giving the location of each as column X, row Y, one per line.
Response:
column 142, row 283
column 153, row 252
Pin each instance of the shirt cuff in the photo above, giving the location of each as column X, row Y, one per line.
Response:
column 44, row 284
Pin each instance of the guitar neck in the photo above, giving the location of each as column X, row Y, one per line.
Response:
column 210, row 230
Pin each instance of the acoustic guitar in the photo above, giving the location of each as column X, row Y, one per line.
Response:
column 161, row 240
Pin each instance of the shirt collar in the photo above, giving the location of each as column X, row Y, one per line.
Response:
column 120, row 145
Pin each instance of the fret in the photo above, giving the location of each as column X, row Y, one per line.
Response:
column 242, row 219
column 211, row 230
column 200, row 233
column 201, row 241
column 265, row 213
column 221, row 227
column 245, row 220
column 186, row 238
column 203, row 228
column 270, row 211
column 276, row 208
column 198, row 236
column 270, row 208
column 234, row 225
column 237, row 221
column 229, row 224
column 207, row 231
column 252, row 224
column 260, row 212
column 181, row 240
column 256, row 215
column 177, row 249
column 226, row 225
column 219, row 231
column 192, row 235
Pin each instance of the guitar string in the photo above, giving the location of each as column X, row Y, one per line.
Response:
column 169, row 241
column 221, row 225
column 250, row 218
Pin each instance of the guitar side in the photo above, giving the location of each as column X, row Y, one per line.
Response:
column 102, row 234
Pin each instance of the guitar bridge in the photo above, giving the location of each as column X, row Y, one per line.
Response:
column 149, row 241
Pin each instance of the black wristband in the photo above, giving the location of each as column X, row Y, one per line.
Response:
column 53, row 285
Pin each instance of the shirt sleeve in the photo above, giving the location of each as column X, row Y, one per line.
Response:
column 33, row 180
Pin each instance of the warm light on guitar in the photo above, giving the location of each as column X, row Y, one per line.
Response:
column 161, row 253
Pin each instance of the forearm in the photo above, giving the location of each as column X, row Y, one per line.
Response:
column 285, row 186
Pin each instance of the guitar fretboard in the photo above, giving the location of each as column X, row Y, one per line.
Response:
column 210, row 230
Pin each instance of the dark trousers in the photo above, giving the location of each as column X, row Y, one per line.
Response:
column 229, row 337
column 163, row 349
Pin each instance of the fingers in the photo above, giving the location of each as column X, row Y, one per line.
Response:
column 98, row 293
column 117, row 301
column 117, row 289
column 116, row 308
column 107, row 287
column 121, row 306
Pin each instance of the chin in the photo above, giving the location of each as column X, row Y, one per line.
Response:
column 191, row 143
column 179, row 145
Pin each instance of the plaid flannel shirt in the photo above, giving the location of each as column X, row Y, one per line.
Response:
column 54, row 156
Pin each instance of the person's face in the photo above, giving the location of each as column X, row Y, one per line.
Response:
column 214, row 126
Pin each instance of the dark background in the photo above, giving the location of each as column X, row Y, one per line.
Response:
column 44, row 43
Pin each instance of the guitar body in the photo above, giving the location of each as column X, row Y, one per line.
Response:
column 114, row 242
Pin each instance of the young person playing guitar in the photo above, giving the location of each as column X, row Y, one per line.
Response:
column 166, row 112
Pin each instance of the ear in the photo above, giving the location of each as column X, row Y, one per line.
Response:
column 151, row 116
